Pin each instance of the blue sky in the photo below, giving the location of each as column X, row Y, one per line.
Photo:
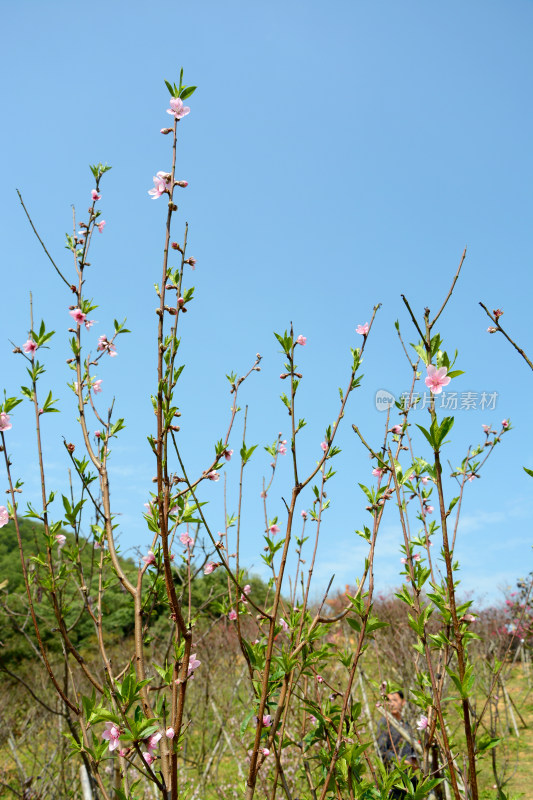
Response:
column 336, row 157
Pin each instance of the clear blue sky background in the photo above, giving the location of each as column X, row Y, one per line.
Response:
column 337, row 157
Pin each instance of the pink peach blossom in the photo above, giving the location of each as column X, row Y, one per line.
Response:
column 396, row 429
column 436, row 378
column 149, row 758
column 210, row 567
column 232, row 614
column 319, row 679
column 30, row 346
column 422, row 723
column 505, row 423
column 101, row 225
column 152, row 742
column 4, row 516
column 265, row 751
column 61, row 540
column 363, row 329
column 5, row 424
column 324, row 446
column 486, row 428
column 304, row 514
column 77, row 315
column 161, row 184
column 282, row 450
column 301, row 340
column 193, row 664
column 377, row 472
column 213, row 475
column 247, row 589
column 112, row 734
column 417, row 557
column 95, row 196
column 149, row 558
column 424, row 479
column 170, row 733
column 104, row 344
column 89, row 323
column 283, row 624
column 177, row 109
column 186, row 540
column 97, row 386
column 274, row 529
column 228, row 454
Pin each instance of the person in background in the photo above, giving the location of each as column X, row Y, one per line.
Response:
column 393, row 747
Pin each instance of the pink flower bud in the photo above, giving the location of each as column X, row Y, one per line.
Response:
column 165, row 131
column 183, row 184
column 170, row 733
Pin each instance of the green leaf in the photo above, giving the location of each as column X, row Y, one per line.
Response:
column 426, row 434
column 185, row 93
column 529, row 471
column 443, row 430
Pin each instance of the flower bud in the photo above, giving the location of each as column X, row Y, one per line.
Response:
column 70, row 447
column 183, row 184
column 164, row 131
column 175, row 246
